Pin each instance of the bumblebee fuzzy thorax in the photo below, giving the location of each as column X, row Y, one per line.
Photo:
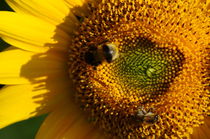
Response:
column 160, row 62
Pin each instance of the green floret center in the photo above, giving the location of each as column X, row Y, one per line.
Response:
column 149, row 68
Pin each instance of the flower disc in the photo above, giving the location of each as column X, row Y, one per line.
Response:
column 160, row 64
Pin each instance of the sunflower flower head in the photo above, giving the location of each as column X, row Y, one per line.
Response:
column 109, row 68
column 160, row 67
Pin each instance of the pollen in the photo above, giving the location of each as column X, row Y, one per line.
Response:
column 158, row 84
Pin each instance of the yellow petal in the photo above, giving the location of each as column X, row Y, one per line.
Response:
column 67, row 121
column 203, row 131
column 79, row 3
column 19, row 67
column 79, row 7
column 207, row 2
column 73, row 3
column 30, row 33
column 24, row 101
column 20, row 102
column 9, row 48
column 52, row 11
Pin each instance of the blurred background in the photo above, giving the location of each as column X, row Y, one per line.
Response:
column 25, row 129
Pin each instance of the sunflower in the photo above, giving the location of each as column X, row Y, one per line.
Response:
column 107, row 68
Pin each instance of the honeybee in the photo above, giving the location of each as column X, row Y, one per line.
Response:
column 147, row 116
column 105, row 51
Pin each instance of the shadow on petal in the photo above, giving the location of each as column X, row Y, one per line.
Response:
column 51, row 76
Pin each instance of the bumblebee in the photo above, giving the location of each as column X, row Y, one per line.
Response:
column 147, row 116
column 103, row 52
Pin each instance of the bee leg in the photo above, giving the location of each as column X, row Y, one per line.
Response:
column 151, row 110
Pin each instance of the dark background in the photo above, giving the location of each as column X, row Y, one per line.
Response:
column 25, row 129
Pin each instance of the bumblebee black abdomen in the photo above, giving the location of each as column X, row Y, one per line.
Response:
column 92, row 59
column 104, row 52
